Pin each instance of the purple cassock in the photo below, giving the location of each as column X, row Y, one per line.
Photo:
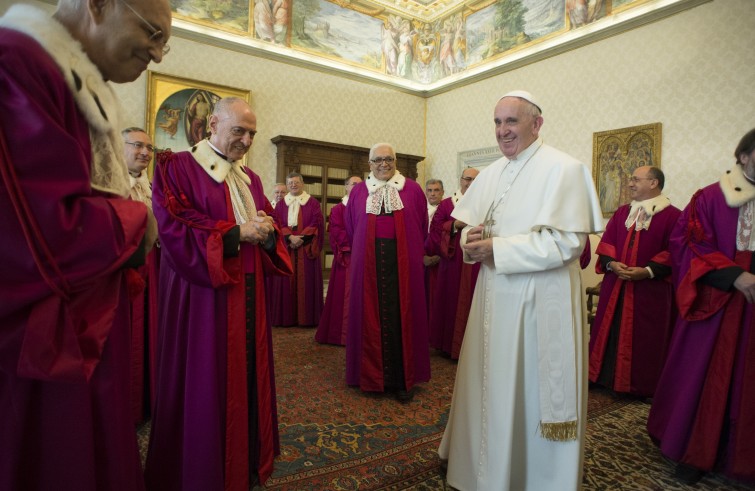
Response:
column 65, row 420
column 335, row 315
column 298, row 298
column 703, row 412
column 386, row 341
column 214, row 425
column 455, row 284
column 635, row 319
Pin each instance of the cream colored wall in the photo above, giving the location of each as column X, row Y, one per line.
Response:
column 694, row 72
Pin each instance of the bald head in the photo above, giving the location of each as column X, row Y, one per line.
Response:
column 233, row 126
column 121, row 37
column 468, row 175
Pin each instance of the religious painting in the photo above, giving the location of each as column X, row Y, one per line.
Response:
column 504, row 25
column 178, row 110
column 325, row 29
column 227, row 15
column 271, row 20
column 478, row 158
column 616, row 154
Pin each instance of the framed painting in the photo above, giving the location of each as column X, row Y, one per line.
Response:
column 478, row 158
column 178, row 110
column 615, row 156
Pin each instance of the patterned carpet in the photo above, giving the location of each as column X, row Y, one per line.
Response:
column 334, row 437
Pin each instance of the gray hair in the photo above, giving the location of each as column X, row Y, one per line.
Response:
column 434, row 181
column 378, row 145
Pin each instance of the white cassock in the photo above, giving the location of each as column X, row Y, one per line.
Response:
column 526, row 318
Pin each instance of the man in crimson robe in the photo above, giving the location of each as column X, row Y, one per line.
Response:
column 298, row 299
column 434, row 192
column 335, row 315
column 386, row 220
column 138, row 152
column 456, row 279
column 69, row 235
column 214, row 424
column 636, row 310
column 703, row 413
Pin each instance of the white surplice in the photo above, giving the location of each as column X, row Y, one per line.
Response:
column 493, row 437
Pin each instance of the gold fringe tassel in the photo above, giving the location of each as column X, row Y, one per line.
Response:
column 559, row 432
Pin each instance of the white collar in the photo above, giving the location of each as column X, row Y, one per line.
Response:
column 457, row 196
column 216, row 166
column 528, row 152
column 736, row 188
column 345, row 200
column 302, row 199
column 397, row 182
column 642, row 212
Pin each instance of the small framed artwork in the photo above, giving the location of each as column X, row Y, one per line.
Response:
column 178, row 110
column 615, row 156
column 478, row 158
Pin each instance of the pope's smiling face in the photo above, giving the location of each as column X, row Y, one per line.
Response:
column 516, row 125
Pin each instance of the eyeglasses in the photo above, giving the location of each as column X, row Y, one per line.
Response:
column 380, row 160
column 139, row 146
column 157, row 34
column 636, row 179
column 468, row 179
column 239, row 131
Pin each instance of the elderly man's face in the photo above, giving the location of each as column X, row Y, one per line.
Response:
column 515, row 127
column 137, row 151
column 383, row 163
column 233, row 131
column 121, row 44
column 295, row 185
column 280, row 192
column 467, row 177
column 434, row 193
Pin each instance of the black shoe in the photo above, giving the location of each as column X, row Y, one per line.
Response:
column 404, row 396
column 688, row 474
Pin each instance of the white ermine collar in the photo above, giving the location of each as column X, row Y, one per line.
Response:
column 456, row 196
column 385, row 194
column 641, row 212
column 302, row 199
column 736, row 188
column 94, row 97
column 216, row 166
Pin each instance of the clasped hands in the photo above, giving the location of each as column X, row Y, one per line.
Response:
column 295, row 241
column 629, row 273
column 477, row 248
column 257, row 229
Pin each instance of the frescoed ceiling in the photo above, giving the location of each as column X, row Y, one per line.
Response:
column 419, row 46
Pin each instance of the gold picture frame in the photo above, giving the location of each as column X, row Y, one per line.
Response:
column 178, row 110
column 615, row 156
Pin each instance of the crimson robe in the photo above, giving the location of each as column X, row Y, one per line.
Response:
column 299, row 297
column 455, row 284
column 215, row 380
column 364, row 363
column 64, row 358
column 703, row 412
column 641, row 314
column 335, row 315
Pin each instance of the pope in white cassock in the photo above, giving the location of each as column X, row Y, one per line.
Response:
column 518, row 413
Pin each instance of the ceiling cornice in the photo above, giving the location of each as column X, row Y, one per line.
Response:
column 555, row 45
